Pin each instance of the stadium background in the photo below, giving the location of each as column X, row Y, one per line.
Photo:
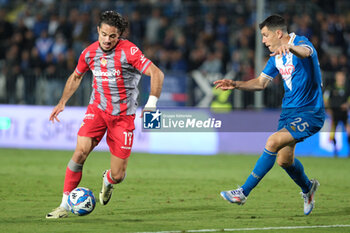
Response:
column 193, row 42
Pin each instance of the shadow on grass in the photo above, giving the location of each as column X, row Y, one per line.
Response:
column 339, row 212
column 170, row 210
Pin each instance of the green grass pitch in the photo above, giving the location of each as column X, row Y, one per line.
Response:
column 169, row 193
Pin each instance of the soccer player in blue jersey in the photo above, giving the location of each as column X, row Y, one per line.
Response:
column 303, row 114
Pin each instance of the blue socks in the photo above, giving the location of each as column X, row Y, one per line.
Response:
column 262, row 166
column 296, row 172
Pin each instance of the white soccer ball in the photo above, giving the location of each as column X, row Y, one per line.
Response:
column 81, row 201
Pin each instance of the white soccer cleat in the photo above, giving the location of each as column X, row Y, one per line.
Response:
column 106, row 191
column 234, row 196
column 59, row 212
column 309, row 201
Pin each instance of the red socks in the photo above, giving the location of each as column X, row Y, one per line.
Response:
column 73, row 176
column 109, row 177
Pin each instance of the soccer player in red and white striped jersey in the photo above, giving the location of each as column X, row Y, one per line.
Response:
column 117, row 66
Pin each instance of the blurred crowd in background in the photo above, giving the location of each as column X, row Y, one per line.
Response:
column 41, row 40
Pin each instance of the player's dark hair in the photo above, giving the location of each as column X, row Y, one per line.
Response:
column 274, row 22
column 113, row 18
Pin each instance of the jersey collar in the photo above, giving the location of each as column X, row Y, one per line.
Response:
column 292, row 37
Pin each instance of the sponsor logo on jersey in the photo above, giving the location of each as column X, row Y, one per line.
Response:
column 108, row 79
column 106, row 73
column 287, row 70
column 133, row 50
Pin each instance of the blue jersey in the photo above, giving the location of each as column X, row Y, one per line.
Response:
column 301, row 77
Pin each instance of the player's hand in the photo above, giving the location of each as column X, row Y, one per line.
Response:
column 225, row 84
column 147, row 109
column 282, row 50
column 53, row 116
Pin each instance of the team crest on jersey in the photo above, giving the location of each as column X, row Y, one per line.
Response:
column 133, row 50
column 103, row 61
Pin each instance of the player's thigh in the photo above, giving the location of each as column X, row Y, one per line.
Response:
column 285, row 156
column 278, row 140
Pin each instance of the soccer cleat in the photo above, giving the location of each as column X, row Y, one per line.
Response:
column 234, row 196
column 309, row 201
column 106, row 191
column 59, row 212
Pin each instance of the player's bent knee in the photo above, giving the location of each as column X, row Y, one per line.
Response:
column 80, row 156
column 272, row 144
column 284, row 163
column 118, row 178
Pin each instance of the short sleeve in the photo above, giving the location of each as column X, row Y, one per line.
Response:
column 306, row 43
column 82, row 66
column 270, row 71
column 136, row 58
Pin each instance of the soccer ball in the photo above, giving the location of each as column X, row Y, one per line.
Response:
column 81, row 201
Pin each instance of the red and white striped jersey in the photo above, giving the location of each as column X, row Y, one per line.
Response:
column 116, row 74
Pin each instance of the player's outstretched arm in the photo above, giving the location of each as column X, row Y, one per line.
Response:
column 71, row 86
column 255, row 84
column 53, row 116
column 225, row 84
column 299, row 51
column 157, row 78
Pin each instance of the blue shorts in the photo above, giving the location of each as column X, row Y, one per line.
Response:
column 302, row 123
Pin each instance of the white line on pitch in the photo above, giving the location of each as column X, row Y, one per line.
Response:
column 250, row 229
